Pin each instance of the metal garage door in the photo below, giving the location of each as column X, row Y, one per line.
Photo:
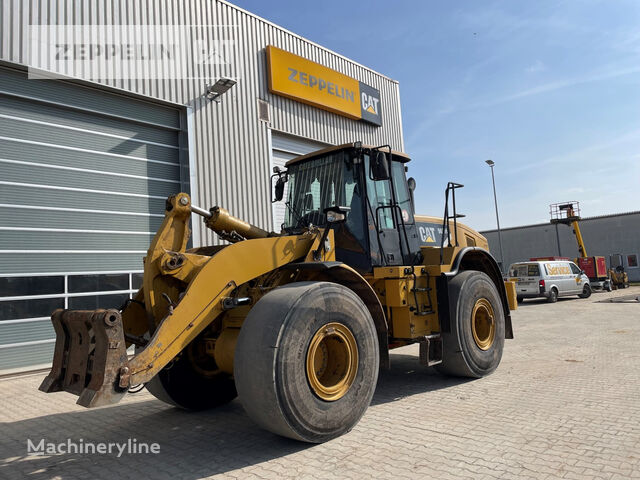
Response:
column 84, row 174
column 284, row 148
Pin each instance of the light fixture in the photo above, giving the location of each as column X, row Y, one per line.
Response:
column 219, row 88
column 491, row 163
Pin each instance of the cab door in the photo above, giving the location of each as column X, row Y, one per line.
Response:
column 383, row 232
column 578, row 284
column 392, row 230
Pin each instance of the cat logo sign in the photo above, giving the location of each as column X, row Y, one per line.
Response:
column 430, row 233
column 369, row 104
column 309, row 82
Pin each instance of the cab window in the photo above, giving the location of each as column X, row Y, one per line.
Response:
column 402, row 191
column 574, row 268
column 525, row 270
column 379, row 194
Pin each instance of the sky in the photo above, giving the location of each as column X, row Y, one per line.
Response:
column 548, row 90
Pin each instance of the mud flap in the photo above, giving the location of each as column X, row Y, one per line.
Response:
column 90, row 350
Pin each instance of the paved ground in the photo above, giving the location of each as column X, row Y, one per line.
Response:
column 565, row 403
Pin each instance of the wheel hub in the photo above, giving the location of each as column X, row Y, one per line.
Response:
column 483, row 324
column 200, row 359
column 332, row 361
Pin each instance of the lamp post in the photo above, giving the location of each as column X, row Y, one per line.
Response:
column 491, row 163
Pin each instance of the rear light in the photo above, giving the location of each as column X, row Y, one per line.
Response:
column 541, row 286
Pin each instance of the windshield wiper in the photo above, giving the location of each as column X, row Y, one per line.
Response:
column 293, row 210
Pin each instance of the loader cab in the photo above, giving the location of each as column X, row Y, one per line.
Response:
column 380, row 227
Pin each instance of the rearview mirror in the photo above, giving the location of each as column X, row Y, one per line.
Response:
column 379, row 165
column 411, row 183
column 278, row 189
column 336, row 214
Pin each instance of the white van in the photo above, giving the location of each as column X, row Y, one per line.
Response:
column 549, row 278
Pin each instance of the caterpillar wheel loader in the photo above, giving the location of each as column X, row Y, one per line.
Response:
column 297, row 323
column 619, row 278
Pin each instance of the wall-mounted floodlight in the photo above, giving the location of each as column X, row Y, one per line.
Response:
column 219, row 88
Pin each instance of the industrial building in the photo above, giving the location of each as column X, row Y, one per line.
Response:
column 605, row 235
column 87, row 161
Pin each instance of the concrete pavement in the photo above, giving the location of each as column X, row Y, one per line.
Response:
column 564, row 403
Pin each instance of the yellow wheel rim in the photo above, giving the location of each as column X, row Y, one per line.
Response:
column 332, row 361
column 483, row 324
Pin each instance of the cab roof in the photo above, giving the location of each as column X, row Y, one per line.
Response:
column 403, row 157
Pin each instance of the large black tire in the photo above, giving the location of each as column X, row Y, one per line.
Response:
column 553, row 295
column 586, row 292
column 270, row 362
column 462, row 354
column 192, row 385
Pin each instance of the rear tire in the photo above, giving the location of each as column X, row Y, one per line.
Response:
column 607, row 286
column 520, row 299
column 553, row 296
column 302, row 342
column 473, row 347
column 586, row 292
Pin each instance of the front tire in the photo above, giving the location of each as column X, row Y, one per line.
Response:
column 473, row 347
column 306, row 362
column 586, row 292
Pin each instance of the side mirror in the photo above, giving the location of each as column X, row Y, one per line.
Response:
column 411, row 183
column 278, row 190
column 379, row 165
column 336, row 214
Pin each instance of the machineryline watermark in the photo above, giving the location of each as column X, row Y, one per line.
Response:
column 82, row 447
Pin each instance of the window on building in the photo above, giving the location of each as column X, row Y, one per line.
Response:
column 632, row 260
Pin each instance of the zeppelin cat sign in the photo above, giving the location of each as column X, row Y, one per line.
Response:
column 309, row 82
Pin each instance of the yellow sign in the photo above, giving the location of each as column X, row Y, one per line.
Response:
column 300, row 79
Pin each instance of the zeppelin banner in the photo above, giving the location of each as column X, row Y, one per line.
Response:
column 309, row 82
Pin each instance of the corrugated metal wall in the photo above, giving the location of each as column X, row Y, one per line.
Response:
column 231, row 144
column 83, row 175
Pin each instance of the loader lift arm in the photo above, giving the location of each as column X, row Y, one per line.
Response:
column 210, row 280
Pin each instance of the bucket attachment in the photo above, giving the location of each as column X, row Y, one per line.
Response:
column 90, row 350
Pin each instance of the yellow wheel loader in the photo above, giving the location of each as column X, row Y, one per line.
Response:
column 296, row 324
